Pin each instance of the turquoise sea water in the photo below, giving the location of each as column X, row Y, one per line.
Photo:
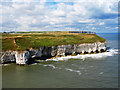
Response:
column 88, row 71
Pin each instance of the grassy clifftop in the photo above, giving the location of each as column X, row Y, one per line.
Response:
column 25, row 41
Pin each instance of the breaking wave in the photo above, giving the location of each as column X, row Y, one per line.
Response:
column 110, row 52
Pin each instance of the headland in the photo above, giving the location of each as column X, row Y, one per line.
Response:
column 24, row 47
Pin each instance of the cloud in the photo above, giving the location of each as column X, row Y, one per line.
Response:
column 101, row 23
column 86, row 21
column 116, row 27
column 93, row 28
column 57, row 15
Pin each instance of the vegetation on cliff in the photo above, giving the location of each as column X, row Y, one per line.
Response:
column 23, row 41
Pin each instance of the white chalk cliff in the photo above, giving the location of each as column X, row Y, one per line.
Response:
column 24, row 57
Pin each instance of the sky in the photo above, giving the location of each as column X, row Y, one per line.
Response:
column 99, row 16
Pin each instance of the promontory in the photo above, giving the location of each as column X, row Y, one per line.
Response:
column 24, row 47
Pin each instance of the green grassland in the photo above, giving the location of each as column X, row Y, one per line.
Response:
column 23, row 41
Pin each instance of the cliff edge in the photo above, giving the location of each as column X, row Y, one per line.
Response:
column 23, row 48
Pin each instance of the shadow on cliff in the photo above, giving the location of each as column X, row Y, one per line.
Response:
column 38, row 59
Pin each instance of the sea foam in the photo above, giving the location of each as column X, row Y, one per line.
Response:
column 110, row 52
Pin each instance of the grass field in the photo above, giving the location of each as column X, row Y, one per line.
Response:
column 25, row 41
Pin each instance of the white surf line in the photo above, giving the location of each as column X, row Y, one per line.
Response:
column 83, row 57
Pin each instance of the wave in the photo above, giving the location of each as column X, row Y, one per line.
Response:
column 101, row 72
column 50, row 65
column 68, row 69
column 77, row 71
column 110, row 52
column 34, row 64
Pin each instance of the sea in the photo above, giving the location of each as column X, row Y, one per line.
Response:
column 81, row 71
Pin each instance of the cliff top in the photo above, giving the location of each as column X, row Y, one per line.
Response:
column 23, row 41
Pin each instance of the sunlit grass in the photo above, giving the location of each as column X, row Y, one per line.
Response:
column 36, row 40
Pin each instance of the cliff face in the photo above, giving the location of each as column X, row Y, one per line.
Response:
column 48, row 52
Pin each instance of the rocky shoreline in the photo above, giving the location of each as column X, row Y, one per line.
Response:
column 43, row 53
